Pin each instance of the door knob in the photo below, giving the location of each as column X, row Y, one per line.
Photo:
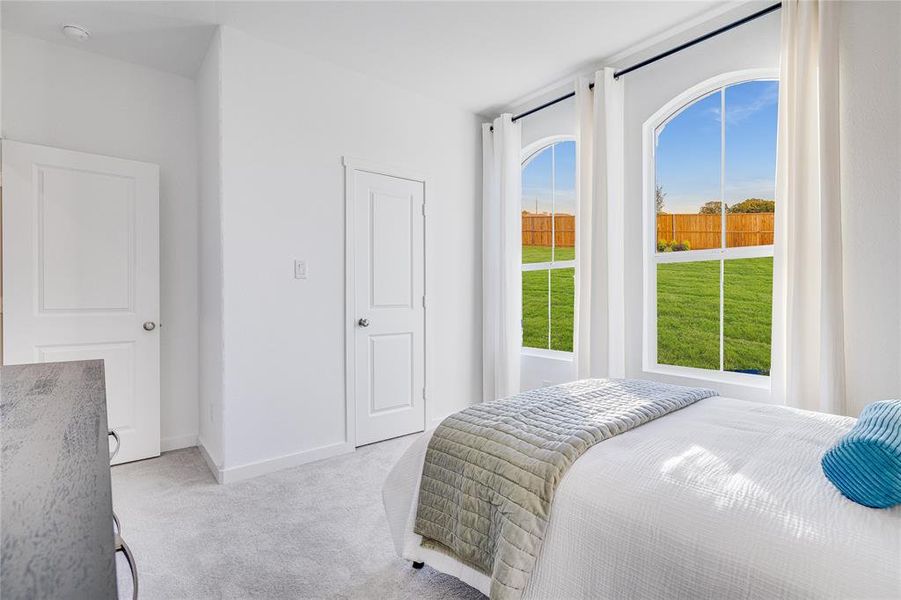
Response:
column 149, row 325
column 363, row 322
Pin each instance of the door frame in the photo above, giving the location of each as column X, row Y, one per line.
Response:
column 352, row 165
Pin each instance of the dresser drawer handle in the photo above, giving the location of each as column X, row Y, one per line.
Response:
column 112, row 433
column 122, row 547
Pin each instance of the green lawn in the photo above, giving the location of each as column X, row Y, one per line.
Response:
column 535, row 254
column 535, row 322
column 688, row 318
column 687, row 308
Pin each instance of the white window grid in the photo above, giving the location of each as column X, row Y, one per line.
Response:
column 552, row 264
column 653, row 258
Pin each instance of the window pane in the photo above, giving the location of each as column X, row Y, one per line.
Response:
column 535, row 309
column 750, row 176
column 537, row 207
column 688, row 314
column 563, row 290
column 747, row 314
column 688, row 178
column 548, row 235
column 565, row 201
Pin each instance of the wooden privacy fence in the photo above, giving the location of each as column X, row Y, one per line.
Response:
column 704, row 231
column 700, row 231
column 536, row 230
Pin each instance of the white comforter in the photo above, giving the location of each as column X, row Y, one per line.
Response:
column 722, row 499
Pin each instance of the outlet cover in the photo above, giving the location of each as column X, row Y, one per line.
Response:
column 300, row 269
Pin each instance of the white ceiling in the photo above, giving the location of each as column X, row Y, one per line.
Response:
column 478, row 55
column 162, row 39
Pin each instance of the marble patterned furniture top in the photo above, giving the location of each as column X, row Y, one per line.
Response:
column 56, row 501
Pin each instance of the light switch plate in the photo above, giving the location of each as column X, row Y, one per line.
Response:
column 300, row 269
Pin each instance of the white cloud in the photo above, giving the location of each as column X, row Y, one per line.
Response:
column 736, row 113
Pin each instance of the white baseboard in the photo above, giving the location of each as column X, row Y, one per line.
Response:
column 262, row 467
column 177, row 442
column 210, row 463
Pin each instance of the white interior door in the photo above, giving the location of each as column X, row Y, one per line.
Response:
column 81, row 276
column 388, row 306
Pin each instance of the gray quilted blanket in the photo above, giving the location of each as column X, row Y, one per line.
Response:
column 491, row 470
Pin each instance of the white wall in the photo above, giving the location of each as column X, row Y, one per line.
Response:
column 287, row 120
column 211, row 350
column 58, row 96
column 559, row 119
column 870, row 72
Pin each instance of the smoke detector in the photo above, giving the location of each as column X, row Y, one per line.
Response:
column 76, row 32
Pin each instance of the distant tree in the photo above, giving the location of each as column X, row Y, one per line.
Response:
column 754, row 205
column 712, row 208
column 659, row 198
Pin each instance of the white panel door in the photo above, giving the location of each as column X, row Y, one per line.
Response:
column 389, row 314
column 81, row 276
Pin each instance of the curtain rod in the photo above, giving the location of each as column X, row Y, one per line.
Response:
column 656, row 57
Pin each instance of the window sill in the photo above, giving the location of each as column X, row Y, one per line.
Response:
column 549, row 354
column 760, row 383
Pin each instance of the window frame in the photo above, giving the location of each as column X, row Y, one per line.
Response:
column 651, row 258
column 528, row 153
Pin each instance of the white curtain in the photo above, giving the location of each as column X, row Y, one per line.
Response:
column 600, row 305
column 501, row 257
column 808, row 363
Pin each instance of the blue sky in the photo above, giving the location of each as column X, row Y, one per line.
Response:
column 688, row 148
column 688, row 154
column 536, row 180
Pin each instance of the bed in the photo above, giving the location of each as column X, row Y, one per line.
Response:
column 721, row 499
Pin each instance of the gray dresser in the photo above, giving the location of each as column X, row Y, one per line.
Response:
column 56, row 516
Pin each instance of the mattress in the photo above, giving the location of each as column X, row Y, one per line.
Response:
column 722, row 499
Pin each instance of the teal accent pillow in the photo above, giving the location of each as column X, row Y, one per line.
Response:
column 865, row 464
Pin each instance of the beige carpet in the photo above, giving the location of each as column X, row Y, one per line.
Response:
column 316, row 531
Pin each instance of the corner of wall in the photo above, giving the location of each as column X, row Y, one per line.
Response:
column 211, row 382
column 211, row 463
column 270, row 124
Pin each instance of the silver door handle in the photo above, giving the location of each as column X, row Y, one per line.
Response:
column 112, row 433
column 149, row 325
column 364, row 322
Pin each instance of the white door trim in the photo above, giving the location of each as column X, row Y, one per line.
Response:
column 352, row 165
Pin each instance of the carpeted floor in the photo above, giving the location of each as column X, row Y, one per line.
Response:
column 316, row 531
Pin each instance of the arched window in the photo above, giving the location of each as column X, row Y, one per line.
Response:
column 710, row 195
column 549, row 245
